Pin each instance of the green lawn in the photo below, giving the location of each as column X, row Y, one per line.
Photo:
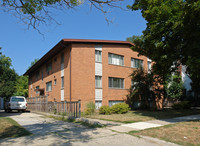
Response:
column 10, row 128
column 183, row 133
column 140, row 115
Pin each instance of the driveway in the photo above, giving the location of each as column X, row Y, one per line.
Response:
column 47, row 131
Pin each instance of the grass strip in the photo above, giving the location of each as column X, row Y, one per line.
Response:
column 11, row 129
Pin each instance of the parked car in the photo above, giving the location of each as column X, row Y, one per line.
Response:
column 16, row 103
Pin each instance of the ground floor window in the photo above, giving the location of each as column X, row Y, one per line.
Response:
column 37, row 87
column 98, row 104
column 113, row 102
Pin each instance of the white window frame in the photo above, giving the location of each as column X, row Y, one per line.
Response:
column 98, row 56
column 98, row 81
column 62, row 82
column 140, row 63
column 149, row 66
column 115, row 59
column 113, row 102
column 49, row 84
column 98, row 104
column 112, row 83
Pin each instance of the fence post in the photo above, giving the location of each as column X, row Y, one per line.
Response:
column 40, row 103
column 65, row 107
column 76, row 109
column 79, row 104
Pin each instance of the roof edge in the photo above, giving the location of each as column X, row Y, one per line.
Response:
column 64, row 42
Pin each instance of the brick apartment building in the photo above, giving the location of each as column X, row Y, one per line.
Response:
column 89, row 70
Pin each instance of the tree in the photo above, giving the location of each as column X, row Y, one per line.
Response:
column 33, row 62
column 7, row 77
column 171, row 37
column 174, row 87
column 141, row 90
column 21, row 86
column 34, row 12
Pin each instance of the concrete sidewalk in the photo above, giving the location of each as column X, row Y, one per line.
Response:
column 153, row 123
column 47, row 131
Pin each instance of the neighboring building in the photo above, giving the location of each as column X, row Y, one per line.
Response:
column 89, row 70
column 186, row 81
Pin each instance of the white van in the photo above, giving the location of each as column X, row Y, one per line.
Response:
column 16, row 103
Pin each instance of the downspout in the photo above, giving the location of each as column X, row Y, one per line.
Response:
column 70, row 95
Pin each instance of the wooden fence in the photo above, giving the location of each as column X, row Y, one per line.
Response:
column 41, row 104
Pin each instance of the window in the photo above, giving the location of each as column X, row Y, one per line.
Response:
column 49, row 86
column 62, row 82
column 37, row 87
column 48, row 67
column 116, row 83
column 98, row 82
column 98, row 104
column 136, row 63
column 42, row 75
column 55, row 81
column 98, row 56
column 55, row 59
column 149, row 66
column 37, row 75
column 111, row 103
column 62, row 58
column 115, row 59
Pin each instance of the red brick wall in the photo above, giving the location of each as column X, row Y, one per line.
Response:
column 83, row 73
column 110, row 70
column 55, row 73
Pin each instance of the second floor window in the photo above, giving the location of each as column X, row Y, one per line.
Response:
column 116, row 83
column 62, row 58
column 48, row 67
column 98, row 82
column 136, row 63
column 49, row 86
column 115, row 59
column 62, row 82
column 98, row 56
column 37, row 75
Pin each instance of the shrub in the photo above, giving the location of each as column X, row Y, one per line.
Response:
column 181, row 105
column 90, row 107
column 105, row 110
column 120, row 108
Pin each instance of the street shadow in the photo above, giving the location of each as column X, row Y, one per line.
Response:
column 13, row 113
column 170, row 115
column 59, row 132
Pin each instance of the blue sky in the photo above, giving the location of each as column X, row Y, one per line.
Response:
column 23, row 45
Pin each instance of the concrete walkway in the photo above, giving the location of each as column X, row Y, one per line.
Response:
column 153, row 123
column 47, row 131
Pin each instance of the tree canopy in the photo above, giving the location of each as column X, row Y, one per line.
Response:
column 7, row 77
column 35, row 12
column 33, row 62
column 21, row 86
column 171, row 36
